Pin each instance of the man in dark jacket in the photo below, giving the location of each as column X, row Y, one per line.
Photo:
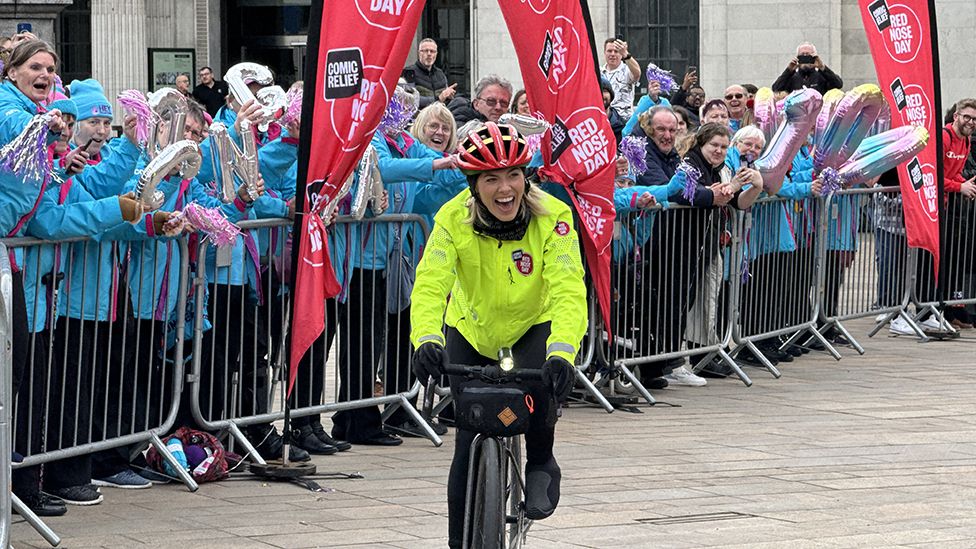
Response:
column 807, row 70
column 429, row 79
column 492, row 97
column 662, row 159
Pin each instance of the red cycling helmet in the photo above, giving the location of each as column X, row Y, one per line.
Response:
column 491, row 147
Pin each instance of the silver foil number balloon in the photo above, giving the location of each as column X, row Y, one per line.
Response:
column 183, row 156
column 170, row 107
column 526, row 125
column 223, row 154
column 272, row 99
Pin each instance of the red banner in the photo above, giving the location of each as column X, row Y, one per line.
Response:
column 357, row 49
column 900, row 34
column 553, row 45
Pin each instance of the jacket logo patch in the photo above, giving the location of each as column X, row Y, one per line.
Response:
column 562, row 228
column 523, row 262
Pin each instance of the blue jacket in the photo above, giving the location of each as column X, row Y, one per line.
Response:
column 17, row 196
column 78, row 215
column 93, row 267
column 645, row 104
column 155, row 262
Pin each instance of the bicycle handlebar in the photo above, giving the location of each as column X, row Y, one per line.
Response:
column 492, row 372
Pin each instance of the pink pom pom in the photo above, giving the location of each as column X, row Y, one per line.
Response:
column 293, row 112
column 135, row 103
column 212, row 223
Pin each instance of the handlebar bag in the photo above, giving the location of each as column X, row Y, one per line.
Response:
column 493, row 409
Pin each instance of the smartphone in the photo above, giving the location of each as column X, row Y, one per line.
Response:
column 806, row 59
column 692, row 69
column 24, row 27
column 88, row 145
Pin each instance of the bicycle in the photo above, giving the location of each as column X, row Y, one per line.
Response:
column 495, row 477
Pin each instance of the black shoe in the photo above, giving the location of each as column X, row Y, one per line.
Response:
column 795, row 350
column 85, row 494
column 272, row 446
column 541, row 489
column 717, row 369
column 380, row 439
column 749, row 359
column 319, row 432
column 305, row 439
column 44, row 505
column 655, row 383
column 773, row 352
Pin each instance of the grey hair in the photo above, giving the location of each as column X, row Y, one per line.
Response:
column 645, row 118
column 492, row 80
column 798, row 48
column 426, row 40
column 746, row 132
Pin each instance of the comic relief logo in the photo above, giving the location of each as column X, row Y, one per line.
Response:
column 914, row 105
column 903, row 35
column 523, row 262
column 560, row 55
column 880, row 14
column 384, row 14
column 352, row 112
column 538, row 6
column 343, row 73
column 587, row 141
column 922, row 177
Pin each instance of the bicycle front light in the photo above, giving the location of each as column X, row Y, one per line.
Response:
column 505, row 360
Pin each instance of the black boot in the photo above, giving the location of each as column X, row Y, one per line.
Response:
column 44, row 505
column 270, row 446
column 305, row 439
column 319, row 432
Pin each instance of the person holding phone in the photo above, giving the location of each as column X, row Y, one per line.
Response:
column 807, row 70
column 623, row 72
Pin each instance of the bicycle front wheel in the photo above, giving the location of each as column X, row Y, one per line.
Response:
column 488, row 520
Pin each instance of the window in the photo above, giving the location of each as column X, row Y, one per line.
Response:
column 663, row 32
column 74, row 41
column 449, row 24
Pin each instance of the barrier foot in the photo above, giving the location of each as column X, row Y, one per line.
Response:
column 751, row 347
column 418, row 420
column 728, row 360
column 844, row 332
column 593, row 391
column 184, row 475
column 826, row 344
column 891, row 316
column 36, row 523
column 637, row 385
column 249, row 449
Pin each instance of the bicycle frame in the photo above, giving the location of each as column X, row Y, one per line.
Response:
column 510, row 469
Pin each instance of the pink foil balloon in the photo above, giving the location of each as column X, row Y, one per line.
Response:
column 830, row 101
column 849, row 125
column 866, row 166
column 800, row 110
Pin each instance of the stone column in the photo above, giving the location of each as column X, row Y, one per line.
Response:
column 119, row 57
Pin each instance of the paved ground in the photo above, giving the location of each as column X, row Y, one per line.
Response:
column 872, row 451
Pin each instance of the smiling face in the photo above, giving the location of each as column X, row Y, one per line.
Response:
column 612, row 54
column 735, row 99
column 437, row 134
column 35, row 77
column 97, row 129
column 750, row 147
column 501, row 191
column 965, row 121
column 523, row 105
column 714, row 151
column 61, row 145
column 493, row 103
column 664, row 128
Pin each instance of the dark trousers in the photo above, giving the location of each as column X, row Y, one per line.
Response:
column 29, row 380
column 838, row 261
column 397, row 374
column 890, row 250
column 361, row 344
column 528, row 352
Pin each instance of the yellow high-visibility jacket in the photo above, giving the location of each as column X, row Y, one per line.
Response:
column 500, row 289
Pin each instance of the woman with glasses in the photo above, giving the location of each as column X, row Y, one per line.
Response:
column 736, row 99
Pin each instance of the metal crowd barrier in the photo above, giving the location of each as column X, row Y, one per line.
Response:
column 237, row 375
column 869, row 268
column 99, row 382
column 959, row 263
column 6, row 396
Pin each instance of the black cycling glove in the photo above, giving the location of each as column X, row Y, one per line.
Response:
column 557, row 374
column 429, row 361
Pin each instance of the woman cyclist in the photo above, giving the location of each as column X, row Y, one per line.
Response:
column 508, row 256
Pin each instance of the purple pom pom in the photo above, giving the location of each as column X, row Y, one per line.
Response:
column 746, row 275
column 692, row 175
column 661, row 76
column 397, row 116
column 26, row 155
column 634, row 149
column 832, row 181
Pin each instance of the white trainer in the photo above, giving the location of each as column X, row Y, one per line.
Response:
column 932, row 324
column 684, row 376
column 900, row 326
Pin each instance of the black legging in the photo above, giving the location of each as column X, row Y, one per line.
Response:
column 528, row 352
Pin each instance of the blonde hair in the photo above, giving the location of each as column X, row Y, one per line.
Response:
column 532, row 200
column 746, row 132
column 435, row 111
